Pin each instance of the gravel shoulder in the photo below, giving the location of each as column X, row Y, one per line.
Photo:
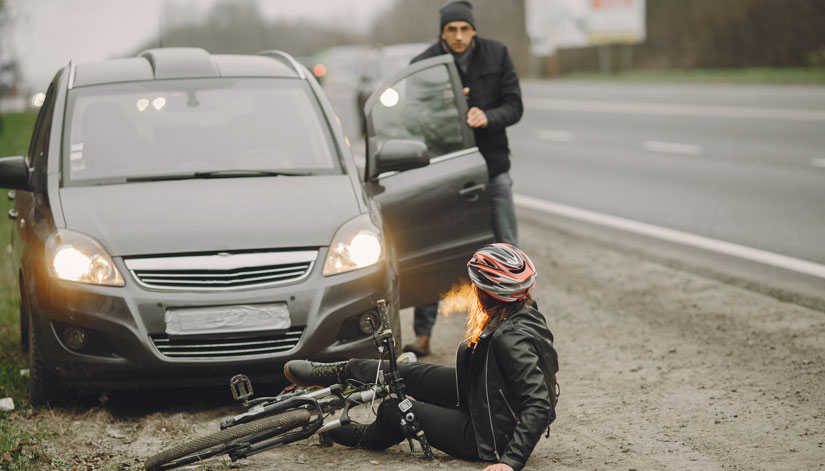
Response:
column 661, row 368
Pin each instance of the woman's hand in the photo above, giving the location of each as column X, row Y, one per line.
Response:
column 498, row 467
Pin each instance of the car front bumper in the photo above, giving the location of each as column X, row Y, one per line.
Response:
column 125, row 323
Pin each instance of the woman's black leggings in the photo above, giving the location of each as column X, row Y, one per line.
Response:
column 433, row 388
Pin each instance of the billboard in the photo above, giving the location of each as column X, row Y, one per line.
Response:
column 556, row 24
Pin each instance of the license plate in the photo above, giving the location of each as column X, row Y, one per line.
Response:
column 227, row 319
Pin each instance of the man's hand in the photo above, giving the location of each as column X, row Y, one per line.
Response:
column 466, row 91
column 498, row 467
column 476, row 118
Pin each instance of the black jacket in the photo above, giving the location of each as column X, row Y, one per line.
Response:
column 494, row 88
column 504, row 383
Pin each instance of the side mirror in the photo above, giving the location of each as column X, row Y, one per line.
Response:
column 399, row 155
column 14, row 173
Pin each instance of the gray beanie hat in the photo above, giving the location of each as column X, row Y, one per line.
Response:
column 457, row 10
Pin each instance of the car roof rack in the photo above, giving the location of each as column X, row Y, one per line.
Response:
column 70, row 83
column 180, row 62
column 286, row 59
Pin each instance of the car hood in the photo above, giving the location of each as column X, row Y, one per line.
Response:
column 184, row 216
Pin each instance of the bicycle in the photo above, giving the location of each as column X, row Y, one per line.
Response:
column 298, row 413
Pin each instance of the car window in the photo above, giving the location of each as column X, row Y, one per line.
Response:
column 42, row 130
column 169, row 127
column 39, row 152
column 420, row 107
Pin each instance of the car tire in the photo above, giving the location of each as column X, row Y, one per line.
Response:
column 24, row 330
column 43, row 388
column 24, row 319
column 395, row 306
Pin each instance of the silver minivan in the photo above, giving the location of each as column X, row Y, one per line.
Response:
column 182, row 216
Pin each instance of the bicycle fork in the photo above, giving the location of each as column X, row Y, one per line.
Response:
column 409, row 422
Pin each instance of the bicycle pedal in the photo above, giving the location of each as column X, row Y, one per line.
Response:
column 241, row 387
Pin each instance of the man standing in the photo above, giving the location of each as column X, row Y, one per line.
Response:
column 494, row 99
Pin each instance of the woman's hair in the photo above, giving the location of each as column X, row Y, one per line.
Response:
column 485, row 310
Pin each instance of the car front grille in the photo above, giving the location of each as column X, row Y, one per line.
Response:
column 179, row 347
column 222, row 271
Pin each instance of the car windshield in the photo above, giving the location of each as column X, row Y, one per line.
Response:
column 195, row 127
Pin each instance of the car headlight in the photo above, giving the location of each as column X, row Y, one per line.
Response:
column 76, row 257
column 357, row 244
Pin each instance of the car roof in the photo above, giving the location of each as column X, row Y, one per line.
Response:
column 184, row 62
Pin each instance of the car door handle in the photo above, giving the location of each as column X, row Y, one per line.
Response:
column 13, row 214
column 471, row 190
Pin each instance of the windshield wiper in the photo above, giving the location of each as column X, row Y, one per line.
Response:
column 217, row 174
column 249, row 173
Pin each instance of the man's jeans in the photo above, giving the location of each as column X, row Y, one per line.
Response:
column 504, row 211
column 504, row 230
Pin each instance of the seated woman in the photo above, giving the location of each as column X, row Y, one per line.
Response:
column 500, row 397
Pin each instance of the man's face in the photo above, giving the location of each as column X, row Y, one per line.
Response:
column 458, row 35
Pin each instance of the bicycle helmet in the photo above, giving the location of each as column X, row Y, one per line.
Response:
column 502, row 271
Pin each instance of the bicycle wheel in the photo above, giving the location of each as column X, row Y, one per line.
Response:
column 199, row 448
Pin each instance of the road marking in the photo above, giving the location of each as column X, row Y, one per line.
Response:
column 675, row 110
column 671, row 148
column 684, row 238
column 554, row 135
column 818, row 162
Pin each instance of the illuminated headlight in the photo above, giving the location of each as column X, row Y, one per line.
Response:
column 76, row 257
column 357, row 244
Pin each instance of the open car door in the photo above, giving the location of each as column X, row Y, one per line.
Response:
column 425, row 171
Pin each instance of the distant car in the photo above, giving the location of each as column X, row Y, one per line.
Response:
column 382, row 62
column 182, row 217
column 338, row 67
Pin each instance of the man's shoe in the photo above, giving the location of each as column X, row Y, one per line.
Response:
column 421, row 346
column 311, row 373
column 349, row 435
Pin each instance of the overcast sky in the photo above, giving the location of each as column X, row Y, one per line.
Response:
column 49, row 33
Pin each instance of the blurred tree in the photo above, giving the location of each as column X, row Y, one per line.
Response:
column 713, row 34
column 417, row 21
column 238, row 26
column 9, row 68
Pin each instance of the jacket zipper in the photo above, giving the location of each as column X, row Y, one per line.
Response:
column 508, row 406
column 457, row 392
column 489, row 407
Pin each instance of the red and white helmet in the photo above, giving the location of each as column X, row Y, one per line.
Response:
column 502, row 271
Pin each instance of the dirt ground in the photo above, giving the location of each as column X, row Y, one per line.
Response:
column 661, row 368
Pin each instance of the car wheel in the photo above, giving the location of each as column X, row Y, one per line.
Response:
column 395, row 306
column 42, row 385
column 395, row 320
column 24, row 329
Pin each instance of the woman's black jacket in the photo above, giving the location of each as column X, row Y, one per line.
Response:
column 507, row 383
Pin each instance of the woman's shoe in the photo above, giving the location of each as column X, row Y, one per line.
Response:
column 312, row 373
column 349, row 435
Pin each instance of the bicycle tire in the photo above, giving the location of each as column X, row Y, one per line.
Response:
column 277, row 423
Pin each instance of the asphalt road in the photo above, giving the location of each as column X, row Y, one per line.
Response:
column 741, row 166
column 739, row 163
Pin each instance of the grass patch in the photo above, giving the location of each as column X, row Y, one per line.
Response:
column 18, row 446
column 804, row 75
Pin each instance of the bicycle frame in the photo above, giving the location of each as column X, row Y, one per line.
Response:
column 324, row 401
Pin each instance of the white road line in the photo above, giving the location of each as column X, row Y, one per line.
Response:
column 554, row 135
column 675, row 109
column 818, row 162
column 649, row 230
column 671, row 148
